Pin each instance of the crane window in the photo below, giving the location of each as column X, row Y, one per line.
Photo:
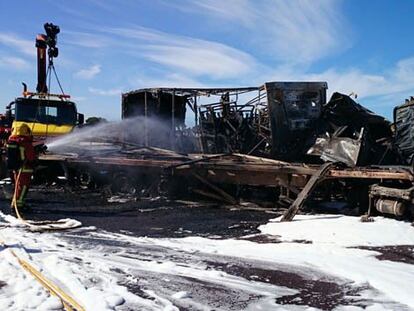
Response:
column 51, row 112
column 47, row 112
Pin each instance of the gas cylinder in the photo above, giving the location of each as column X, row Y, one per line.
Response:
column 388, row 206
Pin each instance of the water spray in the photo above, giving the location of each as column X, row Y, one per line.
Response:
column 100, row 136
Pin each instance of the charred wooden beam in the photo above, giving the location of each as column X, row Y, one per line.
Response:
column 226, row 197
column 306, row 192
column 378, row 173
column 208, row 194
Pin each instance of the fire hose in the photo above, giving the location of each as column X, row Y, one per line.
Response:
column 69, row 303
column 45, row 225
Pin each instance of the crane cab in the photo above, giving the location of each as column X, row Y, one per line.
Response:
column 45, row 117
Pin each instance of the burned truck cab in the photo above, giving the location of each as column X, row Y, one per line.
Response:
column 294, row 110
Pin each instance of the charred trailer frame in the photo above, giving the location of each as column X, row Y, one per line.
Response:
column 230, row 124
column 275, row 120
column 294, row 110
column 169, row 106
column 165, row 105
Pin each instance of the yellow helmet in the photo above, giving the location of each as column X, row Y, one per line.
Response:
column 22, row 130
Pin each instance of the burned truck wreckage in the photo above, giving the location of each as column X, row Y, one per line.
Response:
column 283, row 120
column 282, row 145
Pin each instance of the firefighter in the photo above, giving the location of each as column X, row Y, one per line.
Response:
column 21, row 156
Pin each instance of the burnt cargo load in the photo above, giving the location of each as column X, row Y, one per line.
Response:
column 271, row 120
column 404, row 131
column 351, row 134
column 281, row 120
column 166, row 108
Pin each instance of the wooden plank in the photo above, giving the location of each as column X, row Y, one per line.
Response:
column 293, row 182
column 306, row 191
column 209, row 194
column 380, row 173
column 258, row 168
column 260, row 159
column 227, row 197
column 127, row 162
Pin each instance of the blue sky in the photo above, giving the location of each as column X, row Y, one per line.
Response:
column 109, row 47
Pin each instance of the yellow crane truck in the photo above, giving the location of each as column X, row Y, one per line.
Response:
column 48, row 115
column 45, row 113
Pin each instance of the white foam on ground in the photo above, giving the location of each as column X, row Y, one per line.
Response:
column 342, row 231
column 330, row 250
column 87, row 273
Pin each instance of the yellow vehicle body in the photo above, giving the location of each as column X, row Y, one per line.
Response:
column 44, row 130
column 45, row 117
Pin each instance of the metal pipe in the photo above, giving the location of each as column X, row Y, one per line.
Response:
column 41, row 64
column 145, row 120
column 195, row 110
column 173, row 120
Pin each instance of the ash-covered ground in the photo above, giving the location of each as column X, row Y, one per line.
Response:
column 160, row 255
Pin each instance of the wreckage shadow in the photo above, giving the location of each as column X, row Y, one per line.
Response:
column 311, row 218
column 18, row 246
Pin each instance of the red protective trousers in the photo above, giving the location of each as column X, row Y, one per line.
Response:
column 23, row 175
column 22, row 179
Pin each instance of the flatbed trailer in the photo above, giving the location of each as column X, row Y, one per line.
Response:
column 234, row 166
column 220, row 174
